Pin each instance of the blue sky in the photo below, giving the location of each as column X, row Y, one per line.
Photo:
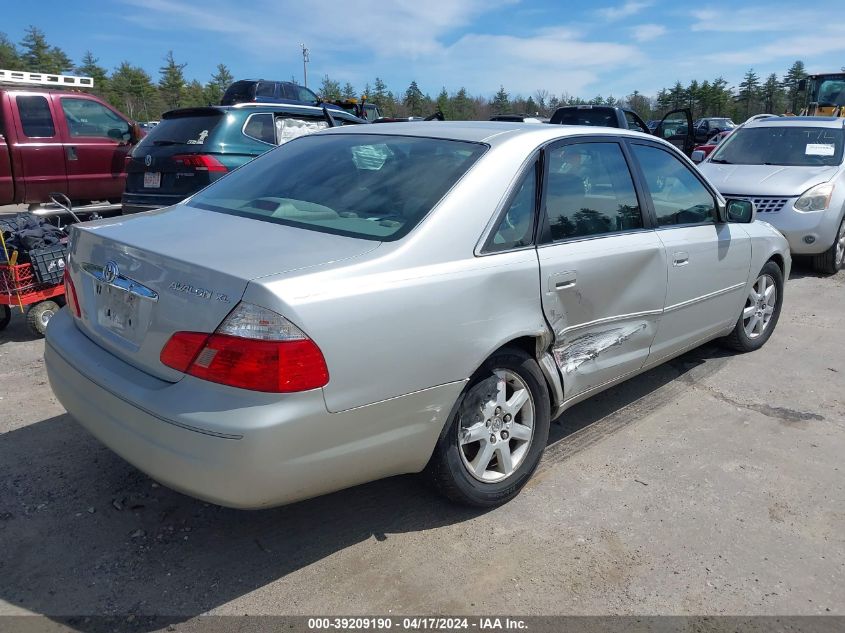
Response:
column 577, row 47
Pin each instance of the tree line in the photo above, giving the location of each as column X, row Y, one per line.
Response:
column 133, row 90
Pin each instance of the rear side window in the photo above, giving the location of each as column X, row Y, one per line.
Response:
column 299, row 93
column 678, row 196
column 515, row 228
column 634, row 124
column 265, row 89
column 590, row 191
column 184, row 130
column 361, row 185
column 260, row 127
column 36, row 119
column 239, row 92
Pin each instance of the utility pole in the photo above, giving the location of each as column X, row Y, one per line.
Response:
column 305, row 60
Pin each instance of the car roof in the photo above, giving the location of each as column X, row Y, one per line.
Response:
column 808, row 121
column 490, row 132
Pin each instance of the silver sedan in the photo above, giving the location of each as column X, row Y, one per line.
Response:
column 366, row 302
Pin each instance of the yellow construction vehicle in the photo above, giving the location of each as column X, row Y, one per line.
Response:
column 824, row 94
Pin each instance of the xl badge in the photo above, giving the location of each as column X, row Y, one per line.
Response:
column 110, row 272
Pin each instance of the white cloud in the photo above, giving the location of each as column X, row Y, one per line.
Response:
column 647, row 32
column 627, row 9
column 757, row 19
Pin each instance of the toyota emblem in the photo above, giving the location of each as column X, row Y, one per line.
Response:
column 148, row 160
column 110, row 272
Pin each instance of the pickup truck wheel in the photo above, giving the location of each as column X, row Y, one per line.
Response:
column 760, row 313
column 5, row 316
column 492, row 444
column 831, row 261
column 39, row 315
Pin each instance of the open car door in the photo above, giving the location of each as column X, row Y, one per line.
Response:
column 676, row 127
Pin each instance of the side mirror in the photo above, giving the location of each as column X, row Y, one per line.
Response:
column 697, row 156
column 740, row 211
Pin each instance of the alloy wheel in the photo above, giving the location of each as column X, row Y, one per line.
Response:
column 840, row 246
column 760, row 306
column 495, row 441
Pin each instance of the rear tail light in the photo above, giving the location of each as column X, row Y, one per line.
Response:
column 254, row 348
column 70, row 295
column 200, row 162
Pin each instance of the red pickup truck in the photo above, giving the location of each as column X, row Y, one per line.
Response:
column 60, row 140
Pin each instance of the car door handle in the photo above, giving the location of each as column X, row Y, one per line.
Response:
column 562, row 281
column 680, row 258
column 70, row 150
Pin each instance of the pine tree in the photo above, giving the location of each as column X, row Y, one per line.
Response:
column 796, row 73
column 194, row 95
column 772, row 94
column 749, row 90
column 414, row 100
column 329, row 89
column 463, row 106
column 90, row 68
column 218, row 84
column 348, row 91
column 501, row 102
column 171, row 85
column 38, row 56
column 9, row 57
column 132, row 90
column 378, row 95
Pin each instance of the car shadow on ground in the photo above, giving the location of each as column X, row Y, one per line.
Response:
column 84, row 533
column 17, row 330
column 802, row 266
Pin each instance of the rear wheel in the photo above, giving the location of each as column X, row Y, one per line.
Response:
column 39, row 316
column 494, row 441
column 831, row 261
column 5, row 316
column 760, row 313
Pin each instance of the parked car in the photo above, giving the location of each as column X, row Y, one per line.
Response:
column 192, row 147
column 708, row 127
column 792, row 168
column 700, row 152
column 520, row 118
column 60, row 141
column 270, row 91
column 674, row 127
column 370, row 301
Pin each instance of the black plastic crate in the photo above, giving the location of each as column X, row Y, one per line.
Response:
column 49, row 263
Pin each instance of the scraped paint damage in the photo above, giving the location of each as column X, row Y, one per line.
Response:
column 571, row 356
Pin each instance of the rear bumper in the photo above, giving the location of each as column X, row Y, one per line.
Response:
column 233, row 447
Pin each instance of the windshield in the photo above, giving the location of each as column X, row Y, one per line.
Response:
column 368, row 186
column 831, row 92
column 184, row 130
column 783, row 145
column 604, row 117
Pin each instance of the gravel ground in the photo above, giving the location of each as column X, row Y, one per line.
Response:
column 710, row 485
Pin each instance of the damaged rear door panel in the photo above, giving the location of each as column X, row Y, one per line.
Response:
column 602, row 266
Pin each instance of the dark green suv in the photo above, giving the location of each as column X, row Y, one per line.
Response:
column 192, row 147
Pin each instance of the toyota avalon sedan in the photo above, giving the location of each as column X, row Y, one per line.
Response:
column 364, row 302
column 793, row 168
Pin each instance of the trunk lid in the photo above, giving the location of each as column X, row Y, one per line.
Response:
column 181, row 268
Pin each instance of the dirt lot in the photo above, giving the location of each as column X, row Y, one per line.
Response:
column 711, row 485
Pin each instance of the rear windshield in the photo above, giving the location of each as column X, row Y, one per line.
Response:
column 368, row 186
column 587, row 116
column 193, row 129
column 795, row 146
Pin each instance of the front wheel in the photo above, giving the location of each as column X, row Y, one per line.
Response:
column 494, row 441
column 831, row 261
column 39, row 316
column 5, row 316
column 760, row 313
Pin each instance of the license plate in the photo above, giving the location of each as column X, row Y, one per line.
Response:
column 117, row 309
column 152, row 179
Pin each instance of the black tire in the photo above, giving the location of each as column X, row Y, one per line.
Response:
column 446, row 468
column 5, row 316
column 831, row 261
column 39, row 315
column 738, row 339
